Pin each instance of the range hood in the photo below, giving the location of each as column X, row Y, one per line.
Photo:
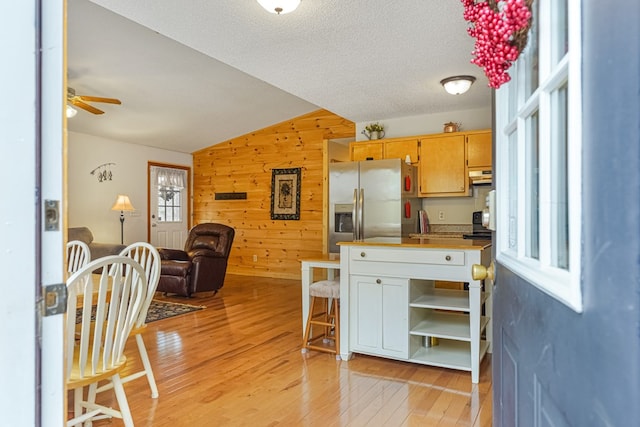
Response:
column 480, row 177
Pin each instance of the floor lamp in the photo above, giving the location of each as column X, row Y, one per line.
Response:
column 122, row 204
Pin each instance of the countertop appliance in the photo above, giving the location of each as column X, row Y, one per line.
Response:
column 372, row 198
column 479, row 230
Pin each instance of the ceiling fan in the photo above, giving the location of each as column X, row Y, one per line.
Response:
column 80, row 101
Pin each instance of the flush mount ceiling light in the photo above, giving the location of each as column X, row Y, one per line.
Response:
column 279, row 6
column 457, row 85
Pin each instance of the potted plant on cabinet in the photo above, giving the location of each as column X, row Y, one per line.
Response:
column 374, row 131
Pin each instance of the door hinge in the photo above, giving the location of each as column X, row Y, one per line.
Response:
column 55, row 299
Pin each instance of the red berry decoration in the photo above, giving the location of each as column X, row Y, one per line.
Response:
column 500, row 28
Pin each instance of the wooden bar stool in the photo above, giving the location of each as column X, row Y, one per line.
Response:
column 328, row 319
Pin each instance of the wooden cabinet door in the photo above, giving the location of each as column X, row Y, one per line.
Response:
column 401, row 148
column 479, row 150
column 443, row 169
column 366, row 151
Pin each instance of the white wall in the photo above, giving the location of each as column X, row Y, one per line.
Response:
column 338, row 150
column 430, row 123
column 457, row 210
column 90, row 201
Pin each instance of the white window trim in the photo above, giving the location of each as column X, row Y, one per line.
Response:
column 564, row 285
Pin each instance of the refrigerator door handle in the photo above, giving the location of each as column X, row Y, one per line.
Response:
column 354, row 215
column 361, row 214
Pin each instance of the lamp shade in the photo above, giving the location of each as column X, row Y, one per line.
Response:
column 122, row 204
column 457, row 85
column 279, row 6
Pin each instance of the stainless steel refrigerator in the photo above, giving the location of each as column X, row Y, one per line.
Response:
column 374, row 198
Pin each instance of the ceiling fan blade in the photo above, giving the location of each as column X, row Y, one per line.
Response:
column 99, row 99
column 78, row 103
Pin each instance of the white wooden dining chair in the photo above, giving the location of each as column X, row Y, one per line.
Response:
column 78, row 255
column 110, row 305
column 149, row 258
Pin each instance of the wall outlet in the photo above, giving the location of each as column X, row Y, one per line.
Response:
column 255, row 258
column 441, row 215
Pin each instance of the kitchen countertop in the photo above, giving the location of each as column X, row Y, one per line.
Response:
column 422, row 242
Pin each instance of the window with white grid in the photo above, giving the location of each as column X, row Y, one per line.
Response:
column 539, row 149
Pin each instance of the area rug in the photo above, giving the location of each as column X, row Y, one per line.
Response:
column 158, row 310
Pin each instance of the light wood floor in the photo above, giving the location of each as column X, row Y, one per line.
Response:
column 238, row 363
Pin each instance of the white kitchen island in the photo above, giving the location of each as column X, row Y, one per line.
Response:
column 389, row 306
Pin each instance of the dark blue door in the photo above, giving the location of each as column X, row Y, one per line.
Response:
column 551, row 365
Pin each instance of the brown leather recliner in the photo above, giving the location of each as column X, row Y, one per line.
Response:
column 203, row 263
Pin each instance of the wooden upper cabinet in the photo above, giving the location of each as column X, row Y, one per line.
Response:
column 443, row 171
column 443, row 159
column 479, row 150
column 400, row 148
column 366, row 151
column 393, row 148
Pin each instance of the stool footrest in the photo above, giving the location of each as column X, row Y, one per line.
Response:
column 329, row 322
column 323, row 349
column 319, row 337
column 318, row 322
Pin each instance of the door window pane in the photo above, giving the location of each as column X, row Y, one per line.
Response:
column 560, row 31
column 512, row 97
column 533, row 188
column 169, row 204
column 513, row 191
column 559, row 192
column 530, row 54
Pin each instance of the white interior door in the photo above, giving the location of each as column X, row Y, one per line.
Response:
column 31, row 358
column 168, row 201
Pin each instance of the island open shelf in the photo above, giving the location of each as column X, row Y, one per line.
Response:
column 446, row 354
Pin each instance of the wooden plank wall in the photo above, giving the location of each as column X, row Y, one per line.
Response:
column 244, row 164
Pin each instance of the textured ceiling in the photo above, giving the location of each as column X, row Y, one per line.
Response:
column 194, row 73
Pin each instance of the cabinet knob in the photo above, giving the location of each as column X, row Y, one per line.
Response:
column 378, row 281
column 448, row 257
column 362, row 255
column 480, row 272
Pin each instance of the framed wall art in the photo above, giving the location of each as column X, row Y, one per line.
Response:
column 285, row 193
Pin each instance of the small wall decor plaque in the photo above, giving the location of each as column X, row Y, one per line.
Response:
column 285, row 193
column 103, row 172
column 231, row 196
